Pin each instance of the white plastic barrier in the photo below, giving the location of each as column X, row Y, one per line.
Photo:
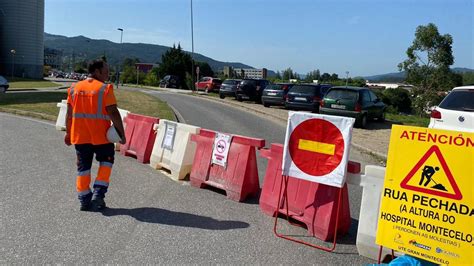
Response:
column 123, row 114
column 173, row 148
column 372, row 184
column 61, row 120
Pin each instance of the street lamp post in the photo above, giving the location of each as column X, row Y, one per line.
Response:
column 13, row 51
column 118, row 67
column 347, row 77
column 192, row 48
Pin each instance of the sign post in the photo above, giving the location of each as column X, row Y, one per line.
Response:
column 316, row 149
column 427, row 206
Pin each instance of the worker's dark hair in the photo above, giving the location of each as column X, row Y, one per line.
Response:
column 96, row 64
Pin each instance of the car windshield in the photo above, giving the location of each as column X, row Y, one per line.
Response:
column 249, row 82
column 231, row 82
column 459, row 100
column 274, row 87
column 342, row 95
column 303, row 89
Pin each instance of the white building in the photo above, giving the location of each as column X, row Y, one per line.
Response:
column 251, row 73
column 389, row 85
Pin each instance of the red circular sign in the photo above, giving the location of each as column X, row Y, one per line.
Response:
column 316, row 147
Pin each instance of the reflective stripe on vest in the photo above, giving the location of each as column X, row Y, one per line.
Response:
column 99, row 114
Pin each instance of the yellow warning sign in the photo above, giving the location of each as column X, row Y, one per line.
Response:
column 427, row 208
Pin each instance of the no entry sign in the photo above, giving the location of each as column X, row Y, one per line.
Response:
column 317, row 147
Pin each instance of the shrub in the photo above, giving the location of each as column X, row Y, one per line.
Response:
column 398, row 98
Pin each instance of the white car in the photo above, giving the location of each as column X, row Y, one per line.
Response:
column 456, row 111
column 3, row 85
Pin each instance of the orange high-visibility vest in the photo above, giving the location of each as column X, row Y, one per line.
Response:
column 90, row 120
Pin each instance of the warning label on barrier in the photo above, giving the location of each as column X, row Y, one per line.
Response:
column 427, row 208
column 317, row 148
column 170, row 132
column 221, row 149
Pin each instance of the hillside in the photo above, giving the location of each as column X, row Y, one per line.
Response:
column 400, row 76
column 81, row 47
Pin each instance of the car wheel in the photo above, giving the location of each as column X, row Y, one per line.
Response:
column 221, row 96
column 266, row 104
column 239, row 98
column 3, row 89
column 362, row 123
column 381, row 117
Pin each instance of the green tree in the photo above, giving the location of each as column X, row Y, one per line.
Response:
column 288, row 74
column 151, row 78
column 80, row 67
column 130, row 62
column 334, row 77
column 398, row 98
column 205, row 69
column 325, row 77
column 278, row 76
column 427, row 66
column 313, row 75
column 176, row 62
column 468, row 78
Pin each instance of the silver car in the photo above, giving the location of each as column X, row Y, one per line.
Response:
column 456, row 111
column 3, row 85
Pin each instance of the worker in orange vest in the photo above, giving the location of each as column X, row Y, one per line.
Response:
column 91, row 106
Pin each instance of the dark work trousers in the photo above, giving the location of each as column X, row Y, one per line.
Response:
column 104, row 154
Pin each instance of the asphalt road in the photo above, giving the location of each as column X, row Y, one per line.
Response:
column 150, row 219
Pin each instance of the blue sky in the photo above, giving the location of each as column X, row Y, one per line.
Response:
column 364, row 37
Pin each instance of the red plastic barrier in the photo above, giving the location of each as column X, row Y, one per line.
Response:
column 240, row 178
column 140, row 136
column 310, row 203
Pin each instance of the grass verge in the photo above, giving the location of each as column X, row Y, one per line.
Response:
column 18, row 83
column 411, row 120
column 43, row 104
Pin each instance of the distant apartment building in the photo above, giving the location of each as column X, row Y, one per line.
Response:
column 245, row 72
column 53, row 58
column 251, row 73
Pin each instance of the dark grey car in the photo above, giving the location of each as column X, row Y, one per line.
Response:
column 306, row 96
column 3, row 84
column 275, row 94
column 228, row 88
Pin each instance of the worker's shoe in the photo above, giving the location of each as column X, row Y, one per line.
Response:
column 98, row 203
column 85, row 202
column 86, row 207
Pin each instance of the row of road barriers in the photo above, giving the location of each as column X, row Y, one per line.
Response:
column 190, row 152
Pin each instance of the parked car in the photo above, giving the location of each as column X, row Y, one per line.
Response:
column 3, row 85
column 274, row 94
column 208, row 84
column 456, row 111
column 228, row 88
column 251, row 89
column 357, row 102
column 169, row 81
column 306, row 96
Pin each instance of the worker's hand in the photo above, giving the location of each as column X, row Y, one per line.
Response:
column 123, row 140
column 67, row 140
